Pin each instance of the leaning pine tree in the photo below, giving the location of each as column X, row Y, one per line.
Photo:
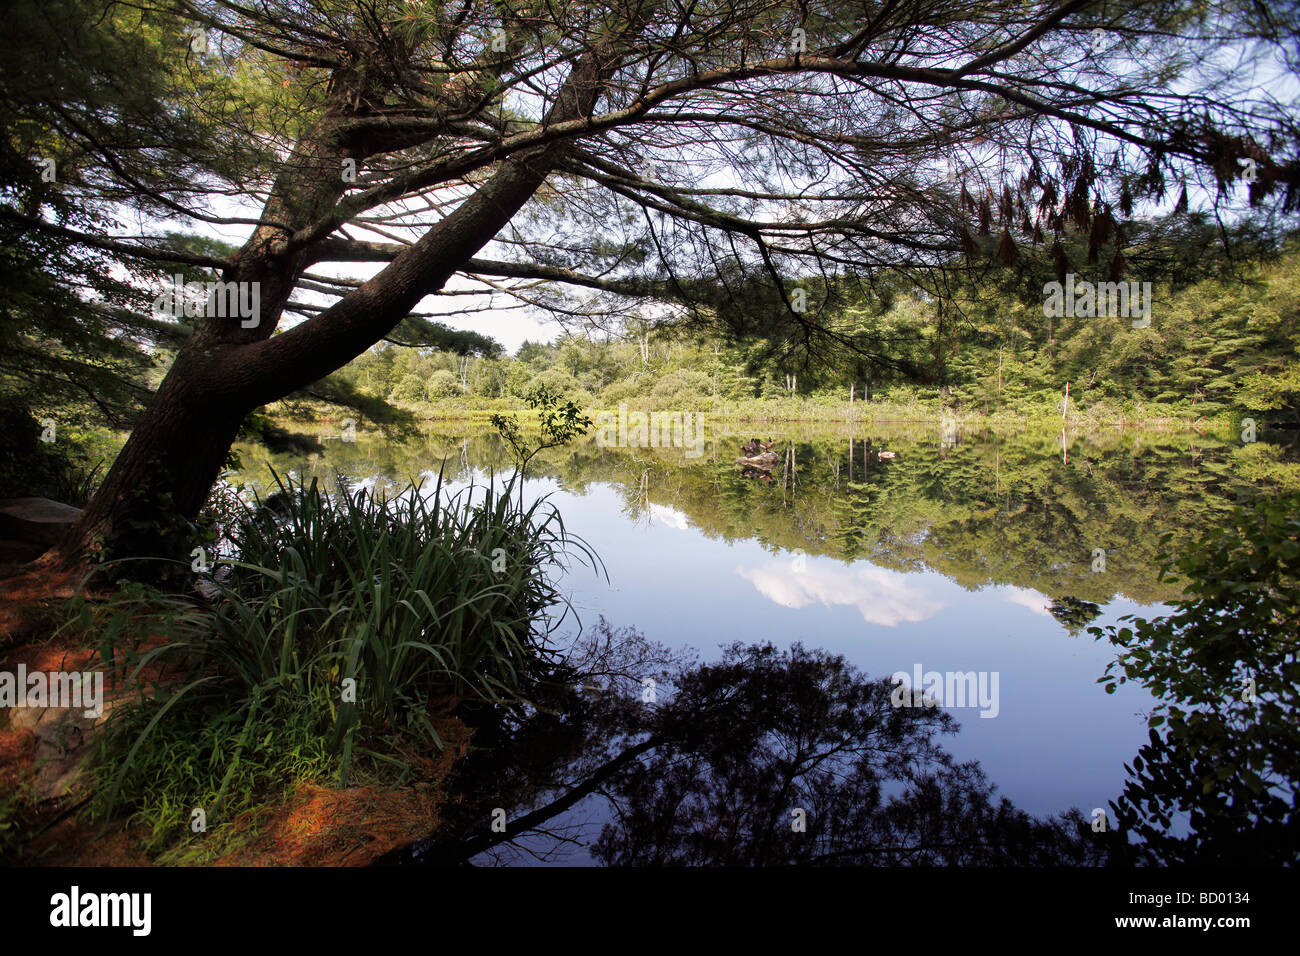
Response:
column 629, row 150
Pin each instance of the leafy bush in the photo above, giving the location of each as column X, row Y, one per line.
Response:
column 682, row 389
column 34, row 468
column 625, row 390
column 559, row 382
column 410, row 388
column 558, row 422
column 443, row 384
column 1224, row 744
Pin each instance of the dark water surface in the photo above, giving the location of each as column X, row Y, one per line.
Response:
column 946, row 557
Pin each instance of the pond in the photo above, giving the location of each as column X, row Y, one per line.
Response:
column 906, row 548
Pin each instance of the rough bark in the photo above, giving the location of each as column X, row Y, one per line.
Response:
column 224, row 371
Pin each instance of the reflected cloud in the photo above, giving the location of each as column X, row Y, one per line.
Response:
column 1028, row 597
column 882, row 597
column 663, row 514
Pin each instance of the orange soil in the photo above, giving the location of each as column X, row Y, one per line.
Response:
column 26, row 595
column 316, row 826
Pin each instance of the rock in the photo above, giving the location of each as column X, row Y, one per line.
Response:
column 63, row 738
column 39, row 521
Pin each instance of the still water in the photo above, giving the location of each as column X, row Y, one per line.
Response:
column 905, row 549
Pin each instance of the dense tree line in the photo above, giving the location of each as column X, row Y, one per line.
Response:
column 1224, row 343
column 755, row 165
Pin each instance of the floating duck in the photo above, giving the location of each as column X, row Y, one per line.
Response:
column 886, row 454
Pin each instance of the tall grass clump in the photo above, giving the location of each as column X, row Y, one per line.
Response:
column 324, row 644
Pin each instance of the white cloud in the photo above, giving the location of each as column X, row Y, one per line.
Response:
column 882, row 597
column 1028, row 597
column 669, row 516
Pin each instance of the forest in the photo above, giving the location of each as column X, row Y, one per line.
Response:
column 969, row 334
column 1220, row 348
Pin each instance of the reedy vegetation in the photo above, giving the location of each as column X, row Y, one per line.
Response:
column 422, row 599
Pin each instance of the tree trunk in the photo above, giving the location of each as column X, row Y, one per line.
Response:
column 162, row 475
column 224, row 371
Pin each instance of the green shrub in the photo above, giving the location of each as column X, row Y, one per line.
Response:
column 443, row 384
column 559, row 382
column 31, row 467
column 1224, row 746
column 682, row 389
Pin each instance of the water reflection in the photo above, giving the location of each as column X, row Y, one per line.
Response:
column 767, row 757
column 882, row 597
column 961, row 550
column 980, row 508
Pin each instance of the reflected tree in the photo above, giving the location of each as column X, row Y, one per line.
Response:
column 1074, row 612
column 781, row 757
column 994, row 510
column 767, row 757
column 1224, row 750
